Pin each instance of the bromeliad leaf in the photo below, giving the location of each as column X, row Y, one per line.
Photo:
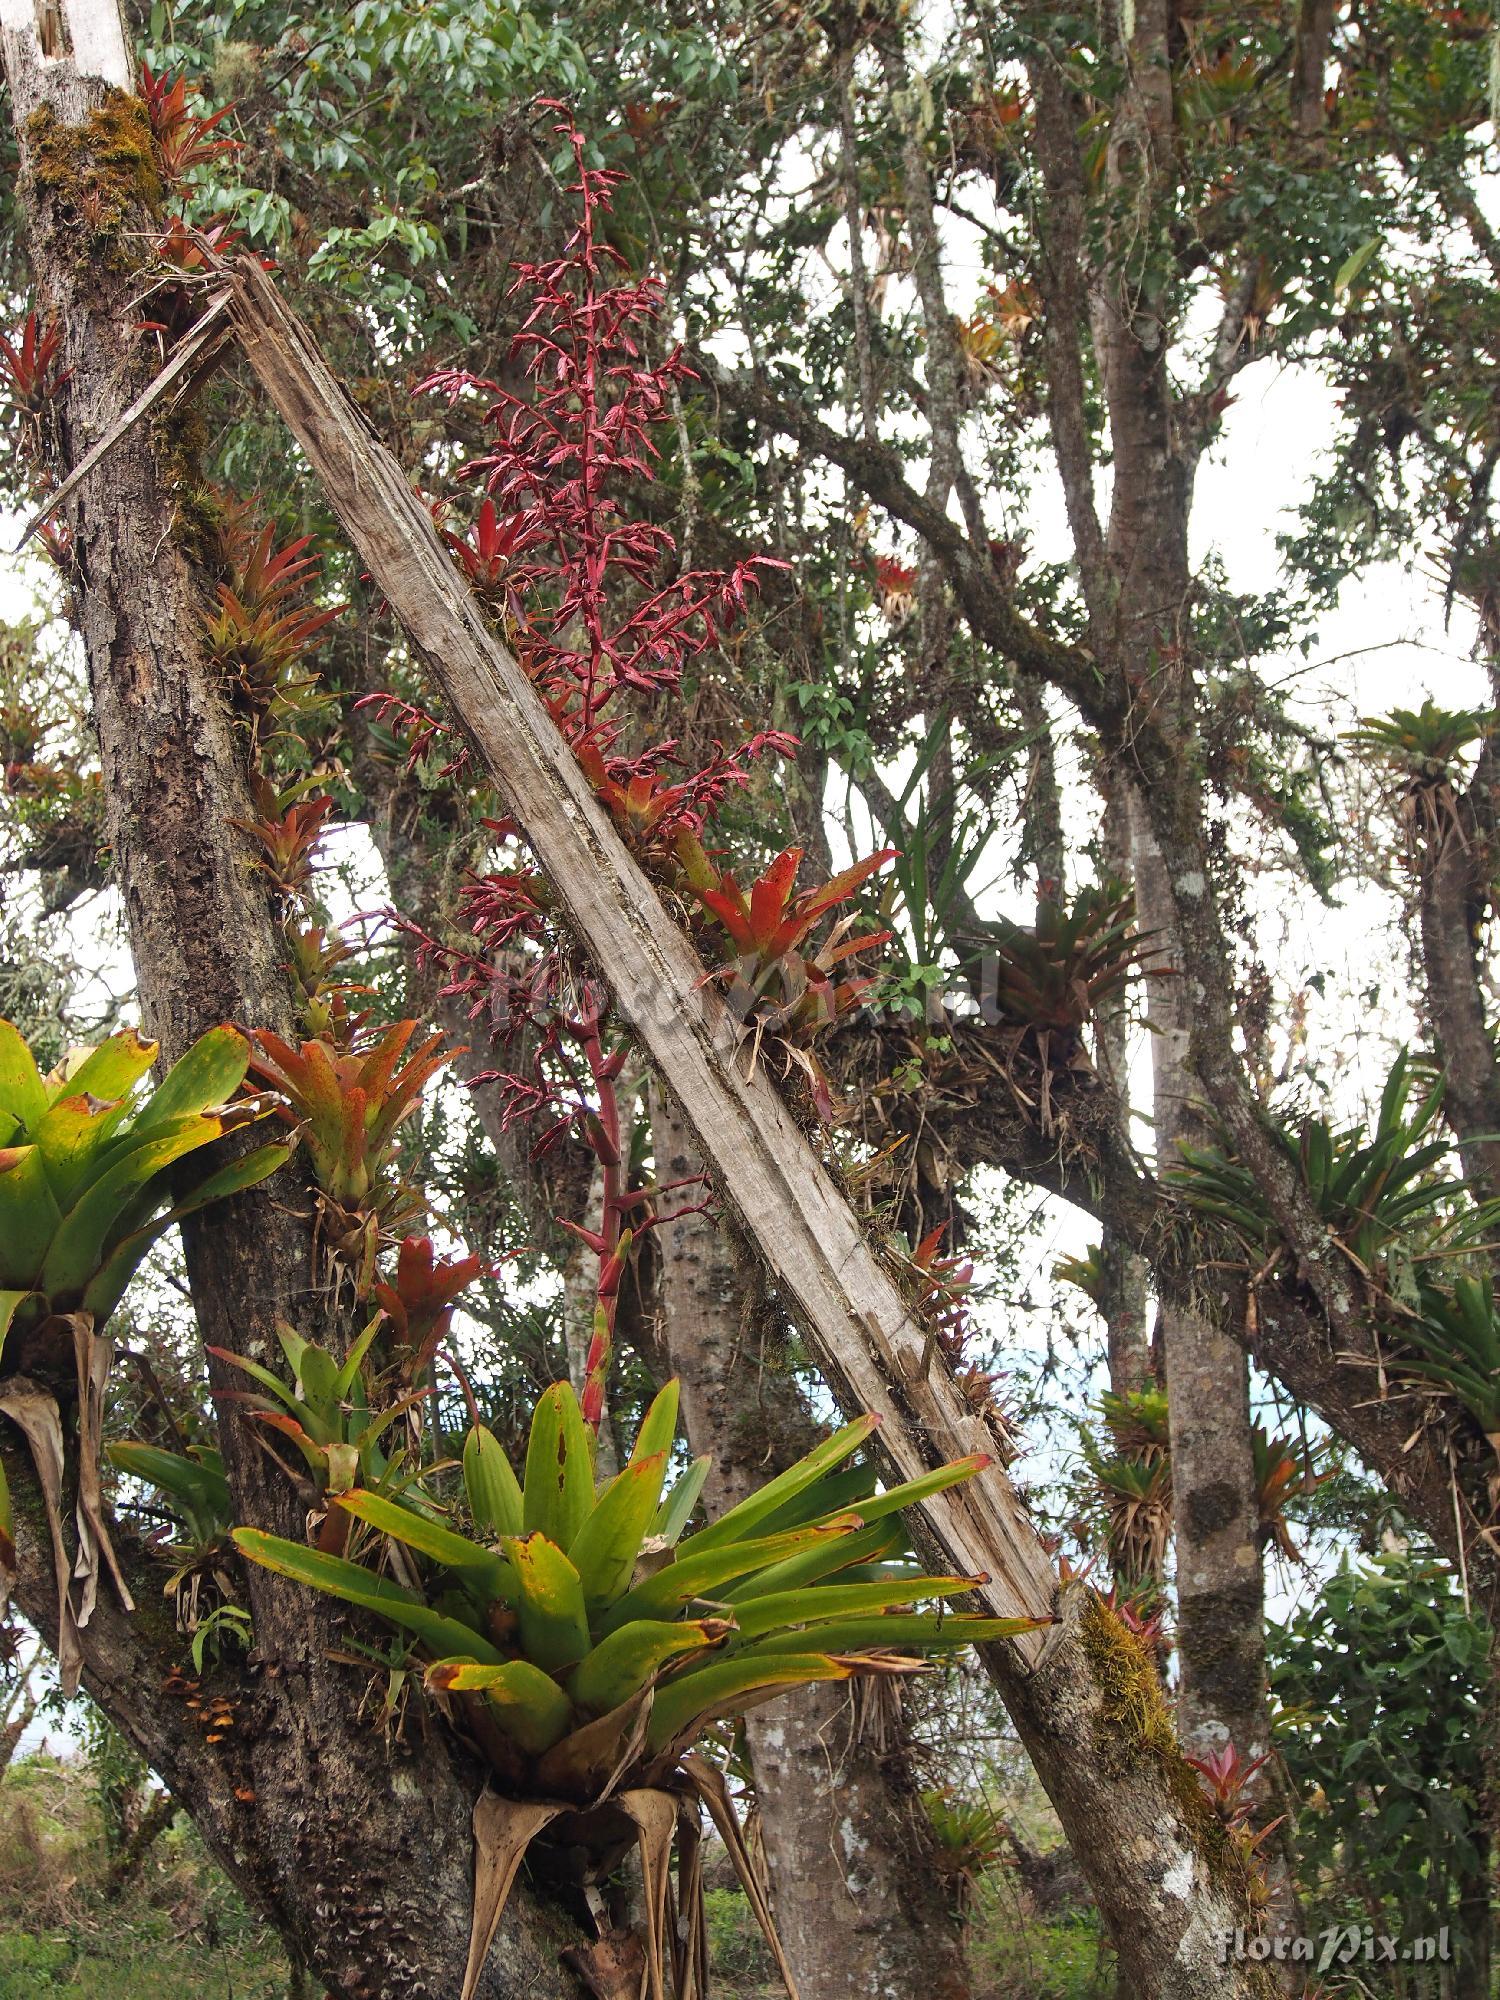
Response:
column 346, row 1580
column 84, row 1166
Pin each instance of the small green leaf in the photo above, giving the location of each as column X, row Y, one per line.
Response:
column 926, row 1631
column 172, row 1472
column 1353, row 264
column 897, row 1499
column 676, row 1510
column 10, row 1305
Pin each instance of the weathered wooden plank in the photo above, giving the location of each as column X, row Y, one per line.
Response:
column 859, row 1328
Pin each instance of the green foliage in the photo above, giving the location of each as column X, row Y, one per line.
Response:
column 1379, row 1192
column 1035, row 1957
column 936, row 846
column 176, row 1930
column 325, row 1414
column 970, row 1833
column 193, row 1483
column 1137, row 1497
column 1458, row 1343
column 1424, row 743
column 586, row 1619
column 736, row 1945
column 1137, row 1421
column 85, row 1160
column 1378, row 1685
column 1087, row 1273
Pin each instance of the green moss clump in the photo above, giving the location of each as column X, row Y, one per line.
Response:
column 198, row 526
column 1134, row 1705
column 1138, row 1726
column 181, row 439
column 97, row 175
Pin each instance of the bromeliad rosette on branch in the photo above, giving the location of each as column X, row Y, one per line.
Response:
column 582, row 1640
column 84, row 1165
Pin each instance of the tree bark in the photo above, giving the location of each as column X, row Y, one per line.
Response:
column 1216, row 1516
column 357, row 1849
column 1143, row 575
column 1454, row 857
column 859, row 1899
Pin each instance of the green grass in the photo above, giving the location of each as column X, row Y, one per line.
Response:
column 178, row 1932
column 1017, row 1954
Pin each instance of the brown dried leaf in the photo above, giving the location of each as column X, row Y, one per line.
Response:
column 503, row 1830
column 655, row 1817
column 37, row 1414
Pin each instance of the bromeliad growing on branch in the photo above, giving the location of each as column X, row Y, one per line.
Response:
column 583, row 1643
column 84, row 1158
column 262, row 627
column 772, row 986
column 326, row 1416
column 348, row 1105
column 84, row 1164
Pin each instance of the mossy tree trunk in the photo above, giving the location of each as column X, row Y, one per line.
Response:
column 1216, row 1518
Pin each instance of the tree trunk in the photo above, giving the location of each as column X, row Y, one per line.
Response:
column 858, row 1895
column 357, row 1849
column 160, row 1811
column 1216, row 1517
column 1124, row 1303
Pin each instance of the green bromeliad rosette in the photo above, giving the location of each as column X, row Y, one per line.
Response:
column 85, row 1159
column 583, row 1639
